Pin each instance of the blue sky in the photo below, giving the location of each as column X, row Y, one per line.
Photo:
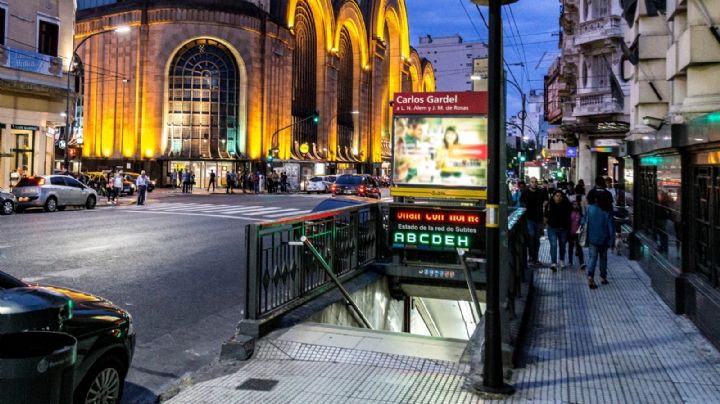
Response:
column 536, row 21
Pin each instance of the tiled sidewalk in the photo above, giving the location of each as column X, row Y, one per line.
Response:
column 616, row 344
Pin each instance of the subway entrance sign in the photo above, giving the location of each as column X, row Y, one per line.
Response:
column 418, row 227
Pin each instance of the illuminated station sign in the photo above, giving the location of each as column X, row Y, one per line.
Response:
column 439, row 229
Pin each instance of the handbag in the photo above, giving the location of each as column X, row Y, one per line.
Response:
column 582, row 235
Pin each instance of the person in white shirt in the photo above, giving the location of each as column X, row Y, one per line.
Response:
column 117, row 186
column 141, row 183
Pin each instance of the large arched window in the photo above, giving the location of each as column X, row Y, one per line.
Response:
column 345, row 125
column 202, row 105
column 304, row 101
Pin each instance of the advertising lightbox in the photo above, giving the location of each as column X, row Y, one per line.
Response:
column 440, row 140
column 436, row 228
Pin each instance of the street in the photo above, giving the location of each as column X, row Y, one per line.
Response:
column 175, row 264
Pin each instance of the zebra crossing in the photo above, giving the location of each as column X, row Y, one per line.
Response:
column 251, row 211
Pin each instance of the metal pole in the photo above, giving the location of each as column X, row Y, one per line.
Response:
column 470, row 283
column 345, row 293
column 493, row 366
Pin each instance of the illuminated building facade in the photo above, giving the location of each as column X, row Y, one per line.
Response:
column 236, row 85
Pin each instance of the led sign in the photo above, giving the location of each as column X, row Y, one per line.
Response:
column 440, row 229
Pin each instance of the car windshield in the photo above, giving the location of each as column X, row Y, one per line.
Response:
column 29, row 182
column 349, row 180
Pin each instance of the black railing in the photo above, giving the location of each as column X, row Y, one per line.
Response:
column 282, row 275
column 517, row 257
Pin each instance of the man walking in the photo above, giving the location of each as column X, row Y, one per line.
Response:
column 601, row 236
column 534, row 200
column 117, row 186
column 212, row 181
column 142, row 183
column 283, row 182
column 229, row 182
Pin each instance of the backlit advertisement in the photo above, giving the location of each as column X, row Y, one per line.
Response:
column 435, row 228
column 440, row 151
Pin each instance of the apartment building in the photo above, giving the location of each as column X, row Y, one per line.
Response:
column 672, row 62
column 35, row 48
column 454, row 60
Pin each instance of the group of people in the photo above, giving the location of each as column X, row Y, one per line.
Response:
column 111, row 185
column 251, row 182
column 572, row 218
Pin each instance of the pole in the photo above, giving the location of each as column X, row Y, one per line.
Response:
column 492, row 366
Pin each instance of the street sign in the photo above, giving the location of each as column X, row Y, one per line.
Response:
column 304, row 148
column 436, row 228
column 607, row 142
column 571, row 152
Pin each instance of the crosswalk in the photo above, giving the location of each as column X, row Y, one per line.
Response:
column 241, row 212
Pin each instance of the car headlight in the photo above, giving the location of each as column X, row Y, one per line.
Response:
column 131, row 326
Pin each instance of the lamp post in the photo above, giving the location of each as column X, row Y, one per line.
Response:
column 121, row 29
column 492, row 367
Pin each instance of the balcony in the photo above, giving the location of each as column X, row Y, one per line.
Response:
column 599, row 29
column 597, row 103
column 30, row 61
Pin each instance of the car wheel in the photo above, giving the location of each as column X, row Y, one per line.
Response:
column 51, row 204
column 7, row 208
column 90, row 203
column 103, row 383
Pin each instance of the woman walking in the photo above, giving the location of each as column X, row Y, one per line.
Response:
column 557, row 218
column 576, row 219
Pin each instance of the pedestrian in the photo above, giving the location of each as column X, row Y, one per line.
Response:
column 117, row 186
column 270, row 184
column 141, row 183
column 229, row 182
column 518, row 193
column 576, row 219
column 601, row 236
column 557, row 219
column 173, row 179
column 600, row 195
column 212, row 181
column 534, row 200
column 283, row 182
column 256, row 182
column 185, row 181
column 192, row 181
column 581, row 186
column 580, row 193
column 569, row 190
column 109, row 185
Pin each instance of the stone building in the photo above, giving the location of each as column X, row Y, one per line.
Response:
column 35, row 48
column 673, row 153
column 302, row 86
column 584, row 94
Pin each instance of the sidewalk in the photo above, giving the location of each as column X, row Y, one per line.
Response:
column 616, row 344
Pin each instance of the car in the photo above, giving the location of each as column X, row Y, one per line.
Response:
column 7, row 203
column 356, row 184
column 132, row 177
column 105, row 341
column 128, row 186
column 341, row 202
column 320, row 184
column 53, row 192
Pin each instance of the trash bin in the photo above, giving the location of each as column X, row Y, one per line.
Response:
column 37, row 367
column 29, row 308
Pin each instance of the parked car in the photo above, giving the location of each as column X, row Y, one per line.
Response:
column 320, row 184
column 132, row 177
column 53, row 192
column 105, row 342
column 7, row 203
column 358, row 184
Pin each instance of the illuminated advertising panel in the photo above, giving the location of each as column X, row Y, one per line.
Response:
column 436, row 229
column 440, row 140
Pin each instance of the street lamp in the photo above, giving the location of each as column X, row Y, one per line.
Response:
column 121, row 29
column 492, row 367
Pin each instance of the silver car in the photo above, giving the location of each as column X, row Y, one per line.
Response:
column 7, row 203
column 53, row 192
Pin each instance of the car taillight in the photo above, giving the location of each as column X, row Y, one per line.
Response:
column 362, row 189
column 333, row 188
column 41, row 181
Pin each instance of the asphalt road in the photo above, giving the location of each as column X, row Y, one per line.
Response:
column 177, row 265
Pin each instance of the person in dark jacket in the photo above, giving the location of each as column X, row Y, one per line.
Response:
column 601, row 236
column 601, row 196
column 534, row 199
column 557, row 218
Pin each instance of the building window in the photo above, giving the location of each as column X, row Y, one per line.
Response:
column 3, row 17
column 48, row 38
column 345, row 121
column 601, row 8
column 705, row 222
column 202, row 102
column 658, row 210
column 304, row 97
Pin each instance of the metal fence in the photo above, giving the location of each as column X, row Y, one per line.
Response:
column 515, row 273
column 282, row 276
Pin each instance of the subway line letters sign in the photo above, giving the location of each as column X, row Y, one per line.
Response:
column 439, row 229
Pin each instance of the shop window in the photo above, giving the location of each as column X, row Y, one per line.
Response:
column 48, row 38
column 705, row 221
column 658, row 214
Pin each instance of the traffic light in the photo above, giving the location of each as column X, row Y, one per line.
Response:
column 270, row 156
column 316, row 117
column 522, row 157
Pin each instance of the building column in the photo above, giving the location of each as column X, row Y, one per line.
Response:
column 585, row 161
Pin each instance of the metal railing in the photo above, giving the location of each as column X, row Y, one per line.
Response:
column 517, row 258
column 281, row 276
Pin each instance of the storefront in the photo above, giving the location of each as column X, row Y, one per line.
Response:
column 202, row 171
column 676, row 219
column 28, row 146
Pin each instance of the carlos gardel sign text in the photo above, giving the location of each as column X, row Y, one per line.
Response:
column 438, row 229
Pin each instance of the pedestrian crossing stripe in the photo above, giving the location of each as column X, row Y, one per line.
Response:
column 247, row 212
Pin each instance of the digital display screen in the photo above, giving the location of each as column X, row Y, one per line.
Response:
column 440, row 151
column 440, row 229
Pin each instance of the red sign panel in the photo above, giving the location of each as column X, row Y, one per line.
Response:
column 441, row 103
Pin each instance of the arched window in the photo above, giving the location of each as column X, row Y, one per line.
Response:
column 345, row 125
column 304, row 101
column 202, row 101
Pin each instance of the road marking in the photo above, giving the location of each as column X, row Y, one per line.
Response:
column 158, row 212
column 264, row 211
column 299, row 212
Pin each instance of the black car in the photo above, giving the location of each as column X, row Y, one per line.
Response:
column 105, row 342
column 357, row 184
column 7, row 203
